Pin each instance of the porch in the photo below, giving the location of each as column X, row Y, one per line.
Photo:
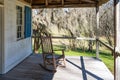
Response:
column 77, row 68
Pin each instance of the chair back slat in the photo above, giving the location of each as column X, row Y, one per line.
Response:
column 47, row 47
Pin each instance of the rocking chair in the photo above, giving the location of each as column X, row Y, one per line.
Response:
column 50, row 59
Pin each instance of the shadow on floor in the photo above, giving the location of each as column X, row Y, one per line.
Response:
column 84, row 71
column 29, row 69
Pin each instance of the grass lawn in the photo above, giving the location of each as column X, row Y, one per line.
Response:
column 105, row 55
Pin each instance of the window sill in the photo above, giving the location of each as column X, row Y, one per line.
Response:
column 20, row 39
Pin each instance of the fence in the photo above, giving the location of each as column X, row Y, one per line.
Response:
column 77, row 39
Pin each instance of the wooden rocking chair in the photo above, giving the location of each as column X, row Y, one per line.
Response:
column 50, row 59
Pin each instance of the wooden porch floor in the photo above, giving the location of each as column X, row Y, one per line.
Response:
column 77, row 68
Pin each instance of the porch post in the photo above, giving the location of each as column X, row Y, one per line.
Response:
column 117, row 39
column 97, row 29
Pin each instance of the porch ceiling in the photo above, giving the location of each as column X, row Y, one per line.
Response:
column 64, row 3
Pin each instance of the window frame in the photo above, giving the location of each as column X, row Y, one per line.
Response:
column 19, row 30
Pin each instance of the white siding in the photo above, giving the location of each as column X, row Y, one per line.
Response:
column 15, row 51
column 118, row 40
column 118, row 68
column 1, row 37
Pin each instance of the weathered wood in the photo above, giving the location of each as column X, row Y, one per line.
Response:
column 80, row 38
column 78, row 68
column 106, row 45
column 77, row 38
column 46, row 2
column 65, row 3
column 37, row 6
column 97, row 29
column 25, row 2
column 62, row 2
column 48, row 53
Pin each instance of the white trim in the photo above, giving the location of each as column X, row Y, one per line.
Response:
column 23, row 3
column 2, row 40
column 22, row 28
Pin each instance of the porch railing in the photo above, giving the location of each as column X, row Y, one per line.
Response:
column 107, row 46
column 80, row 38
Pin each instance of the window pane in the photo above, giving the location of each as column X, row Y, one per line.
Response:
column 19, row 21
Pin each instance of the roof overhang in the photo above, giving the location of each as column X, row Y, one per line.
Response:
column 64, row 3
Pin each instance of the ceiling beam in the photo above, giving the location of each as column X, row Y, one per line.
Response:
column 62, row 2
column 65, row 3
column 88, row 1
column 63, row 6
column 25, row 2
column 46, row 2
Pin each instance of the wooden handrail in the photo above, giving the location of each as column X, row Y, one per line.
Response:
column 66, row 37
column 84, row 38
column 106, row 45
column 56, row 37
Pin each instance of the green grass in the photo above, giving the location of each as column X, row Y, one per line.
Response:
column 105, row 55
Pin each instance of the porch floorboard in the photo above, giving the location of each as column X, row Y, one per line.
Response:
column 77, row 68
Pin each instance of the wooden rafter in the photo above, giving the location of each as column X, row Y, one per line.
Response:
column 29, row 2
column 88, row 1
column 64, row 3
column 46, row 2
column 62, row 6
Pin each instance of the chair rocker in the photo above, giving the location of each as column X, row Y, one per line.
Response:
column 50, row 59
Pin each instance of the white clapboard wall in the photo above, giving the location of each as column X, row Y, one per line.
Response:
column 1, row 27
column 117, row 47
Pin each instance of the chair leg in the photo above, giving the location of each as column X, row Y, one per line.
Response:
column 64, row 61
column 64, row 58
column 54, row 63
column 44, row 61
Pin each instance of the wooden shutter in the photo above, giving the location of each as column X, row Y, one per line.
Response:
column 28, row 22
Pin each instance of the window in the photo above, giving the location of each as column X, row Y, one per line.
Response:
column 20, row 25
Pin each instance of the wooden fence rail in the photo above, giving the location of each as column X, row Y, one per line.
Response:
column 77, row 38
column 81, row 38
column 106, row 45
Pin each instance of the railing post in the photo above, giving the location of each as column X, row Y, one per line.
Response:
column 117, row 39
column 97, row 48
column 97, row 29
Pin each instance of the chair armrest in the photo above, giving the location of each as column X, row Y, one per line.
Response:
column 63, row 54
